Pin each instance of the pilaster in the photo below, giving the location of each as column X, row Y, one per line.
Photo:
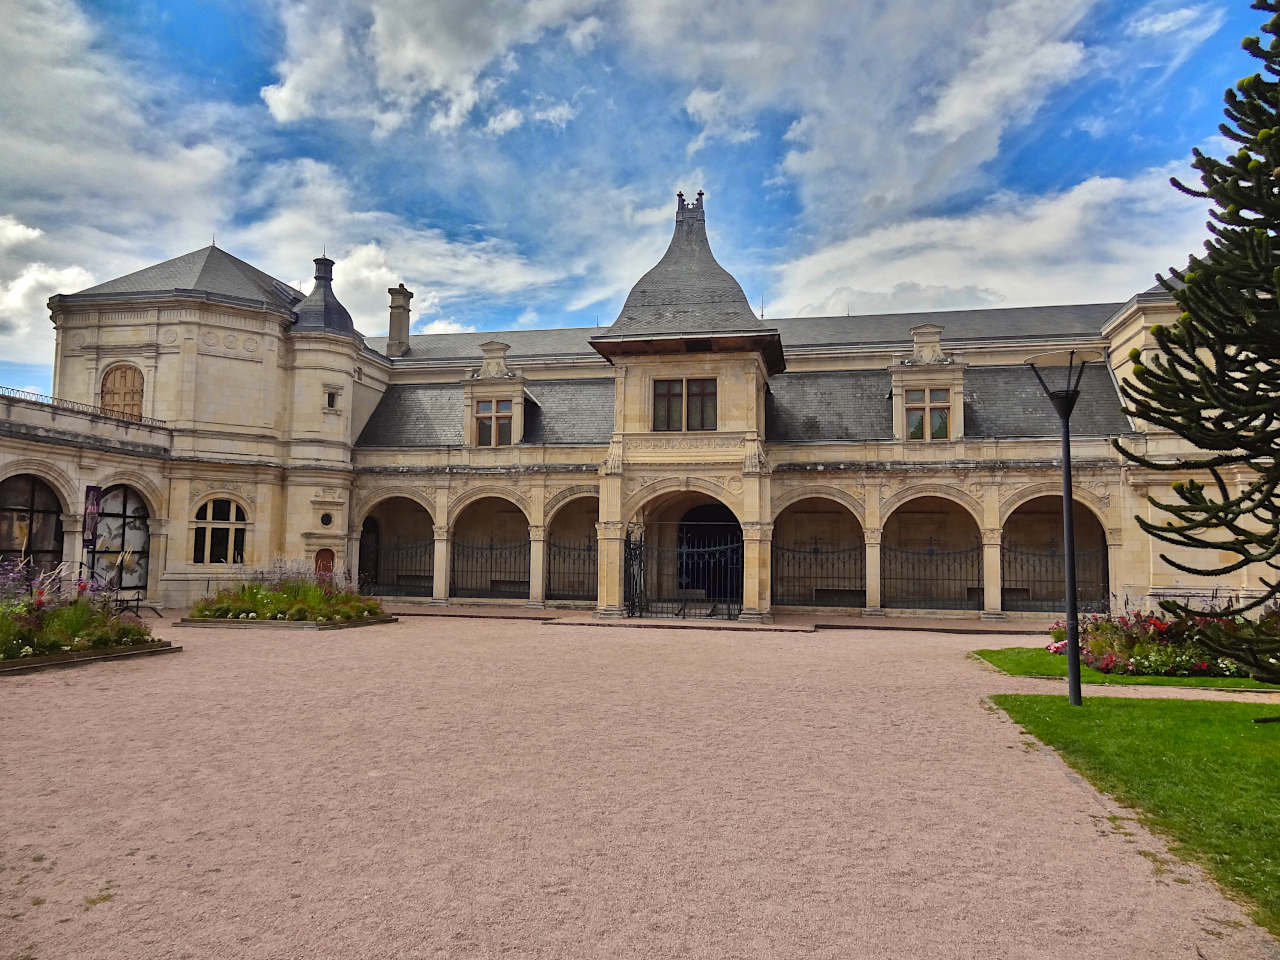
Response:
column 537, row 566
column 991, row 580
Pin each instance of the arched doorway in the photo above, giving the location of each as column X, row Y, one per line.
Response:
column 683, row 558
column 121, row 552
column 571, row 551
column 1032, row 567
column 324, row 564
column 397, row 549
column 931, row 557
column 489, row 553
column 30, row 522
column 818, row 556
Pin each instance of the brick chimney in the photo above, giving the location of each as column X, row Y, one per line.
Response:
column 398, row 337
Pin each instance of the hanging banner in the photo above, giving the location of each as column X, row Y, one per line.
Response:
column 92, row 504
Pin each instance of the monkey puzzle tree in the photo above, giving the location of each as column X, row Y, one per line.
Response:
column 1214, row 378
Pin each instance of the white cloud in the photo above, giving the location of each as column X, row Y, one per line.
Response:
column 1102, row 240
column 710, row 108
column 1167, row 33
column 556, row 114
column 387, row 58
column 504, row 121
column 442, row 326
column 25, row 331
column 582, row 35
column 374, row 250
column 528, row 318
column 13, row 233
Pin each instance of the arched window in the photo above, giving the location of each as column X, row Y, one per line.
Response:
column 30, row 522
column 219, row 532
column 121, row 549
column 122, row 391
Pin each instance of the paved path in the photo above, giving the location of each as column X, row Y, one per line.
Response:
column 485, row 788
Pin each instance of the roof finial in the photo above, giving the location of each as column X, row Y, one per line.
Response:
column 215, row 238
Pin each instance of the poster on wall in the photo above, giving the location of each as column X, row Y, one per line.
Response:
column 92, row 505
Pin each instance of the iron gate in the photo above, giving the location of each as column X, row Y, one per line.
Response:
column 1033, row 580
column 819, row 575
column 490, row 570
column 932, row 579
column 699, row 575
column 403, row 569
column 571, row 569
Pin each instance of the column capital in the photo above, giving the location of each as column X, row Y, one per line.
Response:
column 537, row 532
column 872, row 537
column 992, row 536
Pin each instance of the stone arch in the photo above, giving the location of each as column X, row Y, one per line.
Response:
column 1051, row 488
column 372, row 498
column 146, row 488
column 818, row 550
column 819, row 492
column 955, row 495
column 235, row 496
column 566, row 496
column 651, row 491
column 474, row 494
column 54, row 476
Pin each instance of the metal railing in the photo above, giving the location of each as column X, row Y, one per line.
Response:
column 571, row 569
column 1033, row 580
column 495, row 569
column 78, row 407
column 819, row 575
column 937, row 577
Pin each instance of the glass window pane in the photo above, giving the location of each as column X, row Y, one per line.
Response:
column 504, row 431
column 915, row 424
column 484, row 432
column 203, row 512
column 112, row 501
column 695, row 411
column 915, row 396
column 484, row 406
column 504, row 406
column 16, row 492
column 237, row 555
column 940, row 424
column 937, row 396
column 677, row 412
column 709, row 411
column 239, row 513
column 136, row 535
column 219, row 540
column 222, row 510
column 197, row 555
column 660, row 421
column 45, row 499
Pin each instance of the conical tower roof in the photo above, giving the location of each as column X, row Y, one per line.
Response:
column 688, row 303
column 321, row 311
column 687, row 291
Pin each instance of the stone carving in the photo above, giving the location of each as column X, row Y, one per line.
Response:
column 494, row 366
column 641, row 444
column 77, row 340
column 170, row 336
column 229, row 341
column 250, row 345
column 755, row 463
column 926, row 344
column 203, row 489
column 612, row 465
column 209, row 338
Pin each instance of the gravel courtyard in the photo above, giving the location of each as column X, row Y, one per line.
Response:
column 494, row 788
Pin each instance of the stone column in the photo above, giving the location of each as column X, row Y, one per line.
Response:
column 609, row 559
column 872, row 540
column 537, row 566
column 440, row 566
column 991, row 601
column 157, row 556
column 1117, row 599
column 73, row 551
column 756, row 544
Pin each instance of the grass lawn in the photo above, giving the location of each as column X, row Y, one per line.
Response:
column 1039, row 662
column 1200, row 772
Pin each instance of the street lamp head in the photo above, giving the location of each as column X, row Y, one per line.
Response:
column 1072, row 364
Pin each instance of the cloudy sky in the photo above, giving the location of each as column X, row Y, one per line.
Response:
column 514, row 163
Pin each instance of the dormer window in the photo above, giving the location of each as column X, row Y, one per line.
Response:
column 493, row 423
column 670, row 413
column 929, row 414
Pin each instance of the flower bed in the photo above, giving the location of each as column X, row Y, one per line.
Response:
column 1147, row 645
column 39, row 618
column 295, row 599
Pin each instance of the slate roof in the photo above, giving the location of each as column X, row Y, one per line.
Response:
column 430, row 414
column 1070, row 321
column 209, row 270
column 687, row 292
column 1009, row 402
column 416, row 415
column 829, row 405
column 321, row 310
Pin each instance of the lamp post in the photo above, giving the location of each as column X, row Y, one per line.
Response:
column 1064, row 400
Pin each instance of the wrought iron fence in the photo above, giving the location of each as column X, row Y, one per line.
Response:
column 572, row 569
column 403, row 569
column 499, row 570
column 698, row 574
column 1033, row 580
column 79, row 407
column 819, row 575
column 934, row 578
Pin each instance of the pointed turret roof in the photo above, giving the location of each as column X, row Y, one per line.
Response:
column 687, row 291
column 688, row 303
column 208, row 270
column 321, row 310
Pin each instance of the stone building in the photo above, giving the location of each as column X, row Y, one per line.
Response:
column 690, row 459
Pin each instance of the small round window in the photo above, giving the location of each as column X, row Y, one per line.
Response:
column 326, row 519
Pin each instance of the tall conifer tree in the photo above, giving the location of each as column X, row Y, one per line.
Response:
column 1215, row 376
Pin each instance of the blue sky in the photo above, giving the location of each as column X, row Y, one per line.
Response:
column 515, row 164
